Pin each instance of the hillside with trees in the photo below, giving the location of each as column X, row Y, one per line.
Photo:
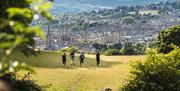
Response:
column 134, row 24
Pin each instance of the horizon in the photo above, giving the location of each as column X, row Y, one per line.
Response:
column 78, row 6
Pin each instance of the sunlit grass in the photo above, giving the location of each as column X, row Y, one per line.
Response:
column 142, row 12
column 153, row 12
column 49, row 69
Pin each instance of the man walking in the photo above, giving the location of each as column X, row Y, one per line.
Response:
column 64, row 59
column 72, row 58
column 81, row 58
column 98, row 58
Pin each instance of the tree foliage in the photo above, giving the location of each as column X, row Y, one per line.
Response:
column 100, row 47
column 158, row 72
column 16, row 31
column 24, row 83
column 128, row 20
column 167, row 38
column 110, row 52
column 128, row 49
column 115, row 46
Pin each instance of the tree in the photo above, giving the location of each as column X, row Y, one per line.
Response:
column 100, row 47
column 158, row 72
column 75, row 28
column 167, row 38
column 116, row 46
column 72, row 49
column 16, row 31
column 110, row 52
column 128, row 20
column 140, row 48
column 128, row 49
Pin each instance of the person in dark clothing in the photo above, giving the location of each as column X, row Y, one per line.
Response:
column 64, row 59
column 98, row 58
column 72, row 55
column 81, row 58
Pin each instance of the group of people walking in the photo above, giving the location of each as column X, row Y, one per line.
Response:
column 81, row 59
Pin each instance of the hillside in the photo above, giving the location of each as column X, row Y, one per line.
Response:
column 76, row 6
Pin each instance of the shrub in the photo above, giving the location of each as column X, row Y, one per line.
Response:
column 158, row 72
column 72, row 49
column 168, row 37
column 100, row 47
column 140, row 48
column 128, row 20
column 127, row 51
column 69, row 49
column 115, row 46
column 22, row 83
column 111, row 52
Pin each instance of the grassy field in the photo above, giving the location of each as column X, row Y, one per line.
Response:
column 49, row 69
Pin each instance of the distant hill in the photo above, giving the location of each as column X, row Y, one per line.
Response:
column 76, row 6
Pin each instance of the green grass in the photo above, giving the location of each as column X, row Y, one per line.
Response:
column 49, row 69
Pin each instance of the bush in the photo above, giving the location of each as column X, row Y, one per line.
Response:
column 69, row 49
column 72, row 49
column 110, row 52
column 115, row 46
column 100, row 47
column 24, row 83
column 140, row 48
column 168, row 37
column 128, row 49
column 158, row 72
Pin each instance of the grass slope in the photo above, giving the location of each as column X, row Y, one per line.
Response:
column 49, row 69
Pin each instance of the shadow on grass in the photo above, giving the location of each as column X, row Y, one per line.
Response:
column 53, row 60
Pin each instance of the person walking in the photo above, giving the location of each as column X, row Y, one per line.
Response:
column 98, row 58
column 81, row 58
column 72, row 55
column 64, row 58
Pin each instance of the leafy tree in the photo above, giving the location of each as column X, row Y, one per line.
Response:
column 128, row 20
column 158, row 72
column 115, row 46
column 16, row 31
column 75, row 28
column 72, row 49
column 140, row 48
column 100, row 47
column 128, row 49
column 168, row 37
column 24, row 83
column 110, row 52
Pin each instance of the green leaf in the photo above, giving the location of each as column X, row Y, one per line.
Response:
column 5, row 44
column 26, row 12
column 37, row 30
